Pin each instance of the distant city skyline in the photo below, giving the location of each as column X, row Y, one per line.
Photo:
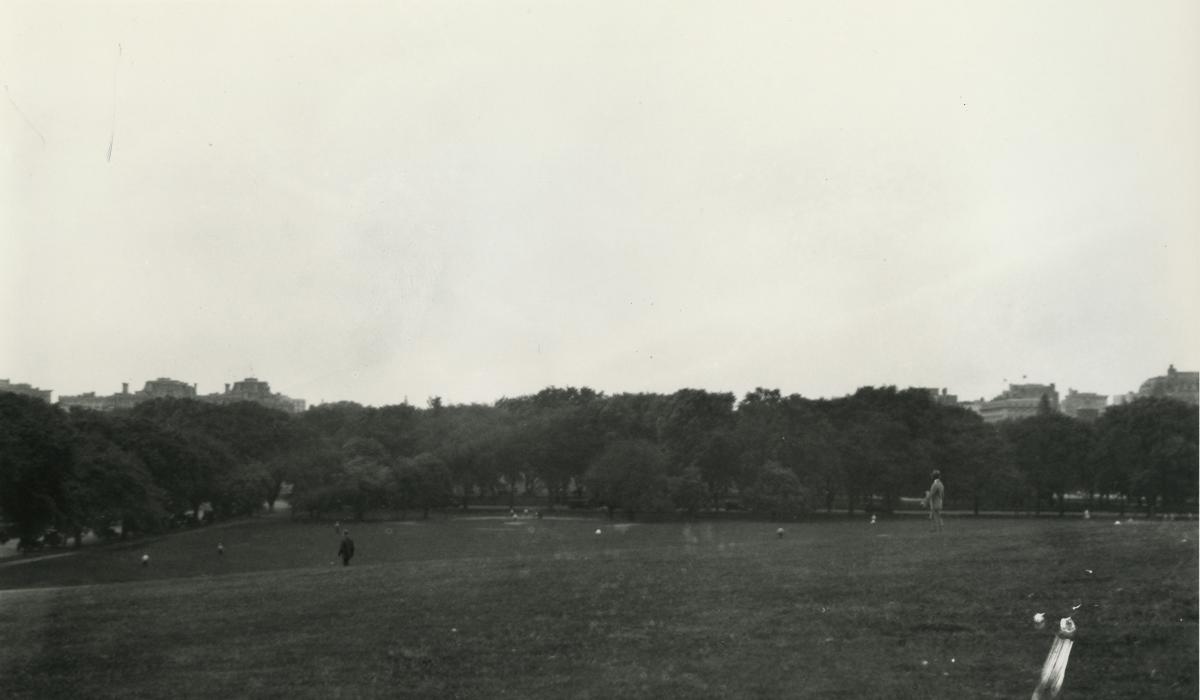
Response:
column 196, row 389
column 479, row 200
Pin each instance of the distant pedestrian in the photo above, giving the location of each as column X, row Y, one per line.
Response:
column 337, row 525
column 934, row 498
column 346, row 549
column 145, row 560
column 779, row 533
column 220, row 549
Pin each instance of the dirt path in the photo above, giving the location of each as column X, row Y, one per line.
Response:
column 30, row 560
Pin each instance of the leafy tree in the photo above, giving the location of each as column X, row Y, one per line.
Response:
column 228, row 449
column 1049, row 449
column 395, row 427
column 336, row 422
column 777, row 492
column 422, row 482
column 436, row 489
column 260, row 438
column 241, row 491
column 760, row 430
column 185, row 463
column 867, row 444
column 561, row 437
column 630, row 417
column 971, row 454
column 315, row 479
column 365, row 475
column 809, row 448
column 1147, row 448
column 35, row 465
column 108, row 485
column 508, row 453
column 630, row 475
column 690, row 417
column 792, row 432
column 716, row 463
column 688, row 491
column 905, row 434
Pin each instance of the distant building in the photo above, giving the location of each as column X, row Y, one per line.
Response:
column 1181, row 386
column 1084, row 405
column 163, row 388
column 87, row 400
column 251, row 389
column 90, row 401
column 942, row 398
column 1019, row 401
column 1122, row 399
column 25, row 390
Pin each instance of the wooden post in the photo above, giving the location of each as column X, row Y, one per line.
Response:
column 1055, row 669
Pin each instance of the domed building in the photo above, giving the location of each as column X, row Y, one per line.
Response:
column 1181, row 386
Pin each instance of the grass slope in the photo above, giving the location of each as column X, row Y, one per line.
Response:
column 547, row 609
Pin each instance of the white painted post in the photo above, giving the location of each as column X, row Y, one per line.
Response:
column 1055, row 669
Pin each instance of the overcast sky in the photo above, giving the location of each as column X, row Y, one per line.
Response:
column 482, row 199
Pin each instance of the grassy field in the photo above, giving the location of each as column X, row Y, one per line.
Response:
column 490, row 607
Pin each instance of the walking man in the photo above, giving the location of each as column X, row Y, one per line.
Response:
column 936, row 495
column 346, row 549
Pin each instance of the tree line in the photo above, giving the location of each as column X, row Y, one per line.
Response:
column 168, row 461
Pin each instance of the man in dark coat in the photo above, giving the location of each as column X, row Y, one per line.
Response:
column 346, row 550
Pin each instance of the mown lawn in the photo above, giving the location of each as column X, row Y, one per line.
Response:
column 548, row 609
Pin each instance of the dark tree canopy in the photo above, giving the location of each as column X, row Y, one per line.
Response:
column 169, row 460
